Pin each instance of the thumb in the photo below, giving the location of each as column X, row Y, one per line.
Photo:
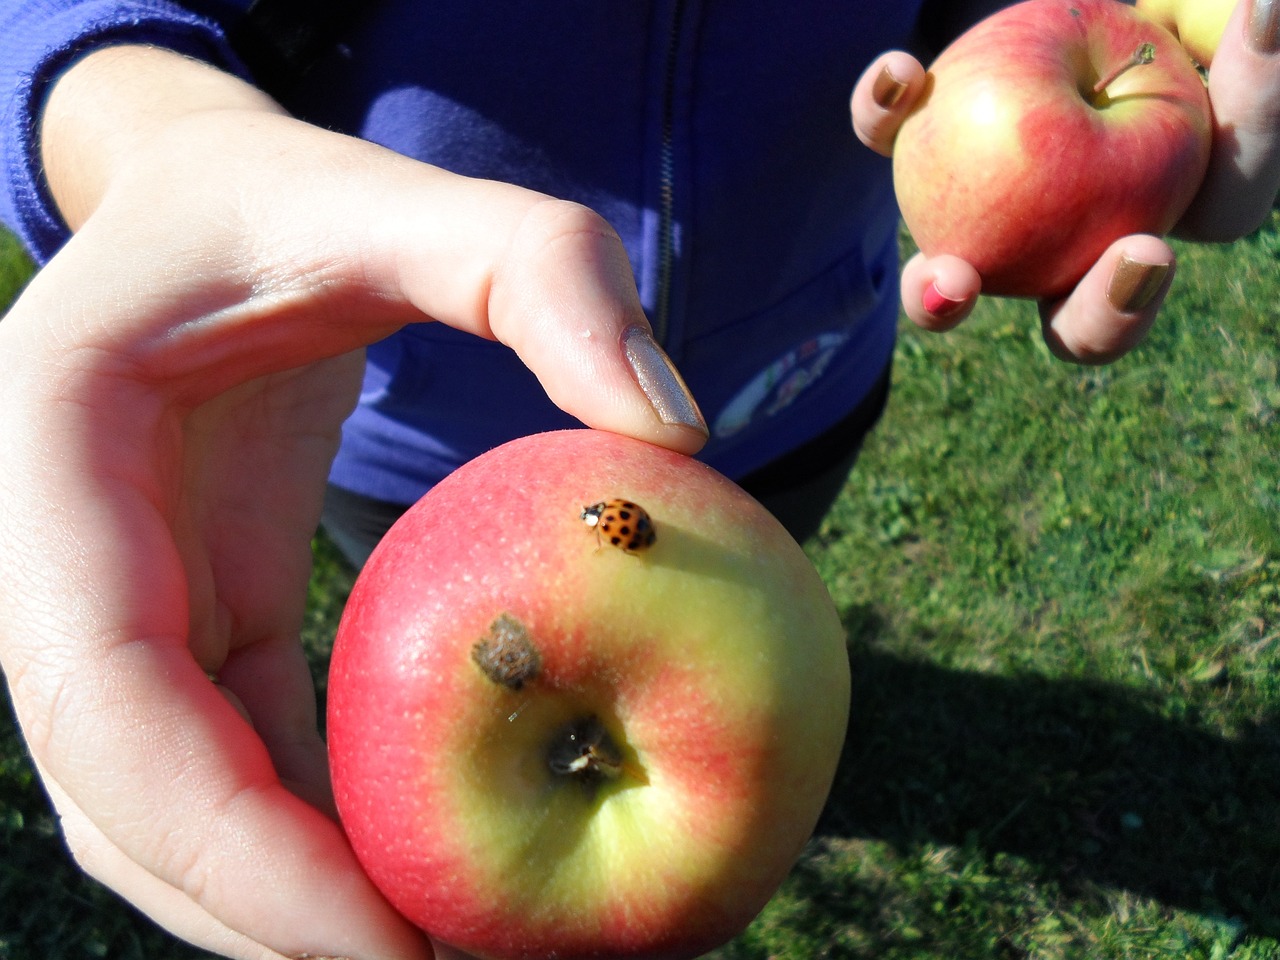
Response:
column 338, row 242
column 885, row 93
column 546, row 277
column 561, row 293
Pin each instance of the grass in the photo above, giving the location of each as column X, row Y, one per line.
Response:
column 1062, row 592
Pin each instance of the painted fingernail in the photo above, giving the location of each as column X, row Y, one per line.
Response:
column 660, row 381
column 1263, row 30
column 939, row 304
column 1134, row 284
column 887, row 89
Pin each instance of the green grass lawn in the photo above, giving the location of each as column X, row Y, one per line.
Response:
column 1062, row 592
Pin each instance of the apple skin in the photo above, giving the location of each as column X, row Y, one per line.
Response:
column 1008, row 163
column 714, row 659
column 1198, row 24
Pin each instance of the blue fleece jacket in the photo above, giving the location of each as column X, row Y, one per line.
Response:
column 714, row 137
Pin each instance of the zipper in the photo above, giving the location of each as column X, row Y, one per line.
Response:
column 666, row 180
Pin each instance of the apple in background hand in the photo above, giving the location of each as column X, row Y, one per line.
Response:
column 1033, row 148
column 1198, row 24
column 545, row 744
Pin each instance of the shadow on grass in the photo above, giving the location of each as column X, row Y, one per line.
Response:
column 1088, row 781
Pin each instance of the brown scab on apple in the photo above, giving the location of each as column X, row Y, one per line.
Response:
column 506, row 654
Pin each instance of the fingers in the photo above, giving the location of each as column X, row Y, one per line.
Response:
column 183, row 917
column 271, row 682
column 1244, row 165
column 564, row 298
column 358, row 241
column 1114, row 306
column 178, row 802
column 552, row 281
column 883, row 96
column 1105, row 316
column 939, row 292
column 172, row 795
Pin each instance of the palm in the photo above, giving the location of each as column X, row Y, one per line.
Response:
column 166, row 470
column 253, row 464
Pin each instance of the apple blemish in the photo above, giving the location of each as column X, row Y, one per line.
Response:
column 506, row 654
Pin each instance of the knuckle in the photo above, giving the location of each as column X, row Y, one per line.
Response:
column 556, row 227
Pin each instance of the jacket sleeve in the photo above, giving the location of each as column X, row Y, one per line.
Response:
column 39, row 39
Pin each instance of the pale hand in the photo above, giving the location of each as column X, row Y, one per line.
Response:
column 171, row 390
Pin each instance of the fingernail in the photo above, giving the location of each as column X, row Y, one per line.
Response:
column 1263, row 31
column 1134, row 284
column 939, row 304
column 888, row 89
column 661, row 383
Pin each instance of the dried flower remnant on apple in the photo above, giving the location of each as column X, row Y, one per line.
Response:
column 507, row 654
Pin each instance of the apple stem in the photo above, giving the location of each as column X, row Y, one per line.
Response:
column 1145, row 54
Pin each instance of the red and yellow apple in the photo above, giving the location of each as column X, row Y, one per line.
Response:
column 1034, row 148
column 546, row 745
column 1198, row 24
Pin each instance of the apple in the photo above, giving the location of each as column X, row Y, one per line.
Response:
column 1198, row 24
column 544, row 744
column 1046, row 132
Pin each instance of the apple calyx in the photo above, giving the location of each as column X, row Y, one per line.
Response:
column 583, row 751
column 1146, row 53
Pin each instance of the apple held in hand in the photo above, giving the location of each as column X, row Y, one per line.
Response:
column 546, row 744
column 1198, row 24
column 1034, row 148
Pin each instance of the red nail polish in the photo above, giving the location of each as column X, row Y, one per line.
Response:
column 939, row 304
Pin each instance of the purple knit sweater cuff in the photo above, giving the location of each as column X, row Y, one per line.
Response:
column 41, row 38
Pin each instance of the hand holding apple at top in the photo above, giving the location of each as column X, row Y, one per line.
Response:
column 1112, row 304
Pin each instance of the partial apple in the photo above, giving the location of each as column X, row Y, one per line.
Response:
column 1046, row 132
column 1198, row 24
column 586, row 699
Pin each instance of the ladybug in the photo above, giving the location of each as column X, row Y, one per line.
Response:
column 624, row 524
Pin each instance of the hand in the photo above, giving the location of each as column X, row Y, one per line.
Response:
column 171, row 390
column 1116, row 302
column 1244, row 88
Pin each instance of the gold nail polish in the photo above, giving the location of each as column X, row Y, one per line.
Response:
column 887, row 89
column 660, row 381
column 1134, row 284
column 1263, row 31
